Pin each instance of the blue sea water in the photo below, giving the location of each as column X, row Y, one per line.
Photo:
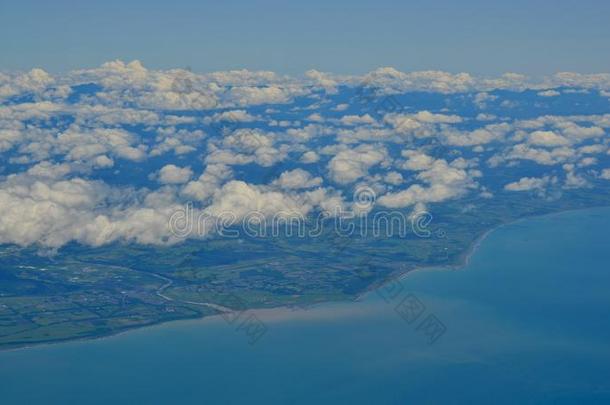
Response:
column 527, row 321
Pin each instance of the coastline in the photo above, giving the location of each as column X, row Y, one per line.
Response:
column 100, row 337
column 463, row 261
column 465, row 258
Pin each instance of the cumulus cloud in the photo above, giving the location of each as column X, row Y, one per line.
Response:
column 68, row 150
column 35, row 81
column 541, row 156
column 442, row 181
column 530, row 183
column 390, row 80
column 322, row 80
column 549, row 93
column 573, row 180
column 243, row 96
column 310, row 157
column 482, row 99
column 52, row 212
column 240, row 199
column 178, row 141
column 547, row 138
column 244, row 146
column 350, row 165
column 416, row 161
column 480, row 136
column 393, row 178
column 172, row 174
column 297, row 179
column 231, row 116
column 421, row 125
column 351, row 120
column 77, row 144
column 208, row 183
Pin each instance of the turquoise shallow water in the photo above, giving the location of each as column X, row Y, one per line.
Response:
column 527, row 321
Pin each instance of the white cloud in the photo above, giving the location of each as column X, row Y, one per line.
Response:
column 549, row 93
column 481, row 99
column 530, row 183
column 480, row 136
column 54, row 145
column 352, row 120
column 444, row 181
column 297, row 179
column 547, row 138
column 428, row 117
column 180, row 141
column 541, row 156
column 245, row 146
column 241, row 199
column 390, row 80
column 393, row 178
column 416, row 161
column 172, row 174
column 587, row 161
column 34, row 81
column 485, row 117
column 243, row 96
column 52, row 212
column 352, row 164
column 592, row 149
column 102, row 162
column 310, row 157
column 315, row 117
column 208, row 183
column 49, row 170
column 322, row 80
column 231, row 116
column 421, row 125
column 574, row 181
column 580, row 133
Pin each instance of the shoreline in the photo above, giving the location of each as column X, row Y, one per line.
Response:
column 462, row 262
column 465, row 258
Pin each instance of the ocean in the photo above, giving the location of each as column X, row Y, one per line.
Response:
column 525, row 321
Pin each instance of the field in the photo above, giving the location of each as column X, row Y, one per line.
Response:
column 83, row 292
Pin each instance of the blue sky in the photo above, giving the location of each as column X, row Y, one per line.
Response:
column 482, row 37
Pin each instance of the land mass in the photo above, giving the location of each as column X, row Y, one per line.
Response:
column 83, row 292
